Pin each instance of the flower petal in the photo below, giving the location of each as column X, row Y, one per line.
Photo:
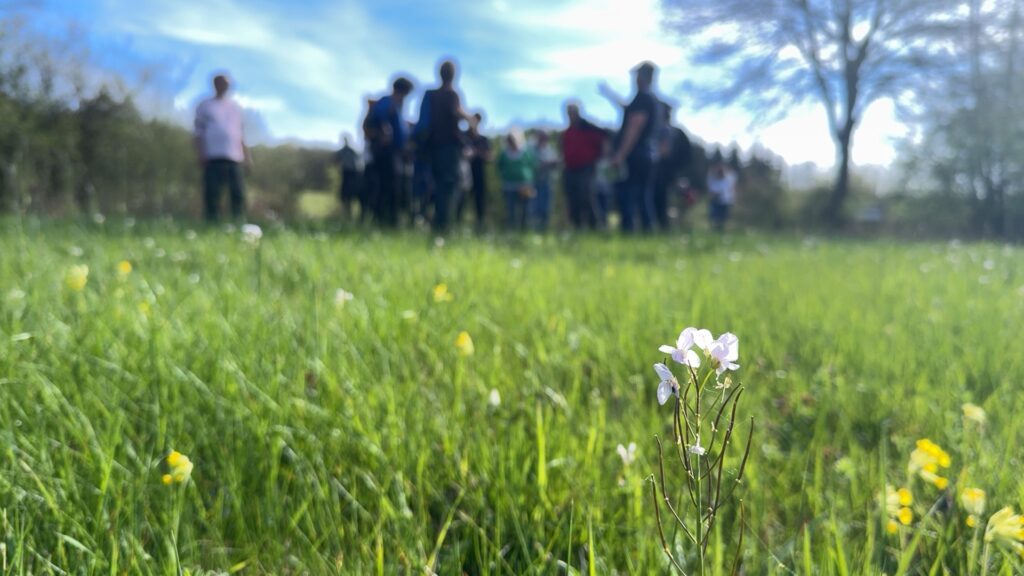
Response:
column 663, row 372
column 664, row 392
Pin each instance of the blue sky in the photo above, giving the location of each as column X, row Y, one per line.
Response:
column 308, row 66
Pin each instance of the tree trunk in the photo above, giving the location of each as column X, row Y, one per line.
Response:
column 834, row 209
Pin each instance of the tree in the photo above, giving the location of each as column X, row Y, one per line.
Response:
column 846, row 54
column 975, row 146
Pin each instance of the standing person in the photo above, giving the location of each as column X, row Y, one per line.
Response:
column 386, row 135
column 440, row 114
column 220, row 143
column 722, row 194
column 673, row 157
column 582, row 147
column 546, row 160
column 635, row 151
column 479, row 155
column 349, row 166
column 516, row 165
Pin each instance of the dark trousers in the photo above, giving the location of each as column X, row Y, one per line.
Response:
column 635, row 201
column 445, row 164
column 579, row 191
column 386, row 164
column 216, row 174
column 663, row 178
column 479, row 191
column 478, row 188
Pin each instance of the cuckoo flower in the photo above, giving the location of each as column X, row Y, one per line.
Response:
column 682, row 352
column 724, row 353
column 668, row 384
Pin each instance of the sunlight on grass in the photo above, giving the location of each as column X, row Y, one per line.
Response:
column 341, row 413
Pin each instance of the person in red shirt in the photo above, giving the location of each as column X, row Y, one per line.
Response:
column 582, row 146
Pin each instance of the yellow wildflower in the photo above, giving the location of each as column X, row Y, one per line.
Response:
column 925, row 461
column 897, row 506
column 124, row 268
column 464, row 344
column 973, row 501
column 1006, row 527
column 77, row 277
column 892, row 526
column 974, row 413
column 441, row 293
column 905, row 516
column 180, row 468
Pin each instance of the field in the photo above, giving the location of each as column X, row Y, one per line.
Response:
column 352, row 436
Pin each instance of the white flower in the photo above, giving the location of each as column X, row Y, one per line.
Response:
column 724, row 353
column 251, row 233
column 668, row 385
column 495, row 398
column 682, row 352
column 628, row 455
column 696, row 449
column 341, row 296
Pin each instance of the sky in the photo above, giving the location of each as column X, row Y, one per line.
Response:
column 307, row 67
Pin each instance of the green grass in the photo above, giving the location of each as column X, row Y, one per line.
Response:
column 356, row 440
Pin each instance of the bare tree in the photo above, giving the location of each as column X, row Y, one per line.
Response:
column 846, row 54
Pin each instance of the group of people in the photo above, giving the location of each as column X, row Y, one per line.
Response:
column 433, row 168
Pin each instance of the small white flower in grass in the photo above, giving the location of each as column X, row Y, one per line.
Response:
column 495, row 398
column 724, row 353
column 682, row 352
column 251, row 233
column 668, row 385
column 628, row 454
column 341, row 297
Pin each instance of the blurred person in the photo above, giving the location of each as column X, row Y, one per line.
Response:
column 350, row 166
column 516, row 166
column 422, row 185
column 545, row 164
column 386, row 134
column 634, row 154
column 721, row 185
column 479, row 155
column 583, row 144
column 219, row 139
column 673, row 158
column 605, row 184
column 439, row 134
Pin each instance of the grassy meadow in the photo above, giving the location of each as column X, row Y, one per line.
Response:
column 336, row 435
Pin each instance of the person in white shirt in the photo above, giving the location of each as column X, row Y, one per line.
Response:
column 220, row 144
column 722, row 192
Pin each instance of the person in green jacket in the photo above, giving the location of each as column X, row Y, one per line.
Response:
column 516, row 166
